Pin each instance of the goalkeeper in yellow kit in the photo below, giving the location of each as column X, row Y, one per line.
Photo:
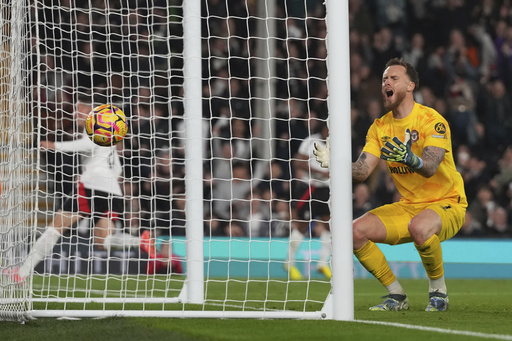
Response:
column 415, row 141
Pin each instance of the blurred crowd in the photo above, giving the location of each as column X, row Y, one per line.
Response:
column 133, row 57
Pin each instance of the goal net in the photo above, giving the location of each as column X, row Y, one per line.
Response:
column 218, row 209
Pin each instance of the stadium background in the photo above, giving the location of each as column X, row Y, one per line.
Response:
column 462, row 50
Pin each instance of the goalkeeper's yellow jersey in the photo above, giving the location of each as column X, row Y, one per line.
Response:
column 428, row 128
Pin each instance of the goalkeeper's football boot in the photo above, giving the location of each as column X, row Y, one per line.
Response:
column 392, row 302
column 147, row 244
column 325, row 270
column 293, row 272
column 14, row 276
column 437, row 301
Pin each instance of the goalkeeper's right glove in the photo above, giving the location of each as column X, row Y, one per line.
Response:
column 322, row 154
column 401, row 152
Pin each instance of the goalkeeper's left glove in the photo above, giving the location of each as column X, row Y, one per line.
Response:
column 401, row 152
column 322, row 154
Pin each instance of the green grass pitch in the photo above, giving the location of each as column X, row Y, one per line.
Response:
column 479, row 310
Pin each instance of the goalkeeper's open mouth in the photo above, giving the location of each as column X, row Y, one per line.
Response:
column 389, row 93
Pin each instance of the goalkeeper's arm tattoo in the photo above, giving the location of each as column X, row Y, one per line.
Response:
column 360, row 169
column 432, row 157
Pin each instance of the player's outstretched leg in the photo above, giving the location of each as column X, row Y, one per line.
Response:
column 392, row 302
column 13, row 275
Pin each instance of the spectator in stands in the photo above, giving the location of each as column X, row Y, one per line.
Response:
column 280, row 224
column 498, row 223
column 360, row 124
column 360, row 18
column 496, row 116
column 362, row 201
column 229, row 194
column 257, row 213
column 503, row 47
column 275, row 181
column 501, row 181
column 474, row 171
column 471, row 227
column 482, row 207
column 383, row 48
column 415, row 53
column 461, row 112
column 484, row 50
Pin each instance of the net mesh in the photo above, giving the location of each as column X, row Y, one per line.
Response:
column 263, row 94
column 17, row 174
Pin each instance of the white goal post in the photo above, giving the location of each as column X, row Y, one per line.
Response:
column 221, row 99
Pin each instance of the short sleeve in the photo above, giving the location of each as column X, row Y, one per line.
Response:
column 438, row 134
column 372, row 144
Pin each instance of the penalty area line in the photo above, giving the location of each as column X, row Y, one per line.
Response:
column 440, row 330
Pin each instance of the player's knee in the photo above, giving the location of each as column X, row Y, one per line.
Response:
column 359, row 231
column 419, row 231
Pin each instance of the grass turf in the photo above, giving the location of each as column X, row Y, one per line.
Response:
column 476, row 306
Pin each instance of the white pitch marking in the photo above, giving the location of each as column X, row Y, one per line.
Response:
column 440, row 330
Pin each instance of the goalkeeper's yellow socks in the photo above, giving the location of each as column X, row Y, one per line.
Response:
column 373, row 260
column 432, row 257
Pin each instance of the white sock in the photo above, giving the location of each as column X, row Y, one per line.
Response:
column 120, row 241
column 325, row 249
column 42, row 248
column 437, row 285
column 296, row 238
column 395, row 288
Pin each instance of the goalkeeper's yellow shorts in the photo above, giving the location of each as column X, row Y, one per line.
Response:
column 396, row 218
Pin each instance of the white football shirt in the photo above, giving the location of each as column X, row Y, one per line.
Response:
column 101, row 166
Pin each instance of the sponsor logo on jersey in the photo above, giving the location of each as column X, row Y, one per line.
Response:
column 438, row 136
column 385, row 139
column 401, row 170
column 440, row 128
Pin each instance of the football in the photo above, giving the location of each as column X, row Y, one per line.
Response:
column 106, row 125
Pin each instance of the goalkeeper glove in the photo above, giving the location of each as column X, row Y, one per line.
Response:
column 322, row 154
column 401, row 152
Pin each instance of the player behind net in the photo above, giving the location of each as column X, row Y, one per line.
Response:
column 97, row 195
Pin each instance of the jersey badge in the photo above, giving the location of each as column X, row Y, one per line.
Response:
column 414, row 136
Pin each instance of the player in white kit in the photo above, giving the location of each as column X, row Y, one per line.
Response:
column 97, row 195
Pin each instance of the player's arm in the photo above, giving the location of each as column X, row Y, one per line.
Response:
column 47, row 145
column 399, row 151
column 361, row 169
column 432, row 157
column 364, row 166
column 82, row 144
